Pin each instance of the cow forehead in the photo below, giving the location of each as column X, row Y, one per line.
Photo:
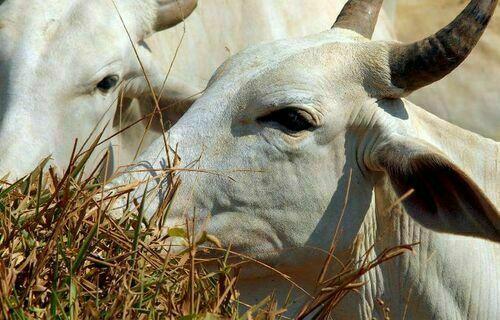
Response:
column 257, row 58
column 283, row 72
column 41, row 20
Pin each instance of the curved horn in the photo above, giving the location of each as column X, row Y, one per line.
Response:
column 419, row 64
column 171, row 12
column 359, row 16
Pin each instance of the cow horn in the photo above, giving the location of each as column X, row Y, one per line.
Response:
column 421, row 63
column 359, row 16
column 171, row 12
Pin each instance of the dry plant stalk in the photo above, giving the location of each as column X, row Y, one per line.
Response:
column 63, row 257
column 333, row 290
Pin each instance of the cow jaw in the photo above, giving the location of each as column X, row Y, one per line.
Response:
column 224, row 134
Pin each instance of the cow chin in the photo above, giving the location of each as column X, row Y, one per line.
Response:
column 253, row 239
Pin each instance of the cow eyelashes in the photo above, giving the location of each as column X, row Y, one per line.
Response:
column 292, row 119
column 108, row 83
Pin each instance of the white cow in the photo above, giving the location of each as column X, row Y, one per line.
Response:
column 61, row 63
column 83, row 45
column 284, row 129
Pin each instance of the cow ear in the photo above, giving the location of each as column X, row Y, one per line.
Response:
column 172, row 12
column 444, row 198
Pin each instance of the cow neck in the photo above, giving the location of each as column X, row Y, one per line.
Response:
column 449, row 274
column 433, row 274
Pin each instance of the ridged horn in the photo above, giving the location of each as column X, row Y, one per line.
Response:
column 359, row 16
column 421, row 63
column 172, row 12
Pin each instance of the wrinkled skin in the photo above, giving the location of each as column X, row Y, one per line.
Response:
column 293, row 200
column 276, row 194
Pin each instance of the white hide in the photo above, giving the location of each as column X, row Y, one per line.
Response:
column 207, row 42
column 40, row 117
column 277, row 195
column 53, row 52
column 218, row 29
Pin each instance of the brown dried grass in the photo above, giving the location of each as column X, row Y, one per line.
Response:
column 62, row 256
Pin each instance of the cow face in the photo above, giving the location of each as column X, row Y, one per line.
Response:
column 61, row 66
column 277, row 135
column 290, row 140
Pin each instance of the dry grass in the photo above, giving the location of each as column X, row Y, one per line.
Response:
column 63, row 257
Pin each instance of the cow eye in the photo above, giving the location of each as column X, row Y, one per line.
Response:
column 108, row 83
column 291, row 119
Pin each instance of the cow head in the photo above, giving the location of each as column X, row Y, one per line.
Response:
column 61, row 66
column 286, row 131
